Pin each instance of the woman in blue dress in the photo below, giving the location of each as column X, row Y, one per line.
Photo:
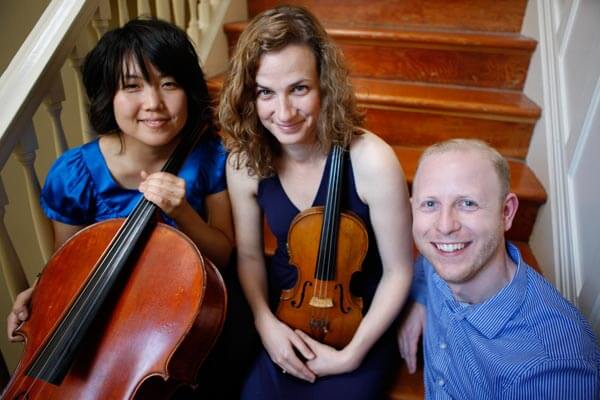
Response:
column 146, row 90
column 287, row 99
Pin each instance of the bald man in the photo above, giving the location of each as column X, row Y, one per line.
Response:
column 493, row 327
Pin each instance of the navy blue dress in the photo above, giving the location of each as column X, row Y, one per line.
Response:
column 371, row 378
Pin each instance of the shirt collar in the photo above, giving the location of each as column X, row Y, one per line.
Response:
column 492, row 315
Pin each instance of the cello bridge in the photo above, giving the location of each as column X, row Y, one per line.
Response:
column 321, row 302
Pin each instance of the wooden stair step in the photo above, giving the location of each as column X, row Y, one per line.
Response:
column 478, row 15
column 407, row 386
column 523, row 182
column 411, row 387
column 419, row 115
column 480, row 59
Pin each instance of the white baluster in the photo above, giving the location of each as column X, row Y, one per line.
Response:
column 12, row 270
column 192, row 30
column 204, row 15
column 163, row 10
column 214, row 4
column 53, row 102
column 76, row 58
column 102, row 18
column 25, row 153
column 179, row 13
column 143, row 8
column 123, row 12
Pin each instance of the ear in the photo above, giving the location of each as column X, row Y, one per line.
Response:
column 509, row 210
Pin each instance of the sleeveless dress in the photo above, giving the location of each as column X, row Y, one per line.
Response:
column 80, row 189
column 370, row 379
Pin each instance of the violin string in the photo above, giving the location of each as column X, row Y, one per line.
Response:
column 324, row 270
column 332, row 215
column 336, row 213
column 320, row 290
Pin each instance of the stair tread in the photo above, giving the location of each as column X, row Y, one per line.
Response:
column 523, row 181
column 417, row 34
column 412, row 387
column 488, row 103
column 505, row 15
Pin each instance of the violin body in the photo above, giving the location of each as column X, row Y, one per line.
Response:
column 321, row 304
column 152, row 333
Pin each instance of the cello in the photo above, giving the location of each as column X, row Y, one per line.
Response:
column 321, row 304
column 124, row 309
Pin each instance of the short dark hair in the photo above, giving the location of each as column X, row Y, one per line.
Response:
column 143, row 41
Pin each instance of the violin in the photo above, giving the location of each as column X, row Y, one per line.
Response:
column 124, row 309
column 321, row 303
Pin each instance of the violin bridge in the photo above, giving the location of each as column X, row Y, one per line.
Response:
column 321, row 302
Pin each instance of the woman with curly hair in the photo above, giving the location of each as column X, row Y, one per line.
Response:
column 287, row 101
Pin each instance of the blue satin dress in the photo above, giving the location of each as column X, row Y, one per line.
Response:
column 370, row 380
column 80, row 189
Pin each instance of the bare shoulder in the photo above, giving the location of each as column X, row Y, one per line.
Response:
column 372, row 156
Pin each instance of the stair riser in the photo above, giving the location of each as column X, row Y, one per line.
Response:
column 485, row 67
column 421, row 128
column 524, row 219
column 478, row 15
column 423, row 62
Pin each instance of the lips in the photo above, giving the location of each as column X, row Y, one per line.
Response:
column 154, row 122
column 289, row 128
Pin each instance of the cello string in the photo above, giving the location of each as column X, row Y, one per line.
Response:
column 124, row 234
column 139, row 218
column 80, row 305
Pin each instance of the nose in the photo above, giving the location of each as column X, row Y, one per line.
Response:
column 285, row 109
column 152, row 98
column 447, row 222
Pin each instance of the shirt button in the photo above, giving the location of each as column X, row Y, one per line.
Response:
column 441, row 382
column 443, row 346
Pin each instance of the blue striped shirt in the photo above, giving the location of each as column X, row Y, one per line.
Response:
column 526, row 342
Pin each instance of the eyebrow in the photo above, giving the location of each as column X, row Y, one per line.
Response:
column 298, row 82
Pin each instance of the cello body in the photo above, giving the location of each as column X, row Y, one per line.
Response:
column 153, row 331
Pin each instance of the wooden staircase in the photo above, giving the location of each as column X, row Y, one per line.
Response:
column 430, row 70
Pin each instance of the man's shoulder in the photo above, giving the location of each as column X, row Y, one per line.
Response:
column 561, row 329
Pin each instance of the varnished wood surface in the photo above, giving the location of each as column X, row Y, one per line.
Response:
column 524, row 183
column 418, row 115
column 476, row 59
column 488, row 103
column 499, row 15
column 430, row 70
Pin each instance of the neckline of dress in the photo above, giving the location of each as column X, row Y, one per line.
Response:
column 322, row 184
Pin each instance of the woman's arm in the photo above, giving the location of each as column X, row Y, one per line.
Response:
column 63, row 231
column 278, row 339
column 20, row 309
column 214, row 237
column 381, row 184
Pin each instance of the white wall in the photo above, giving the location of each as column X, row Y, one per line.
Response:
column 564, row 79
